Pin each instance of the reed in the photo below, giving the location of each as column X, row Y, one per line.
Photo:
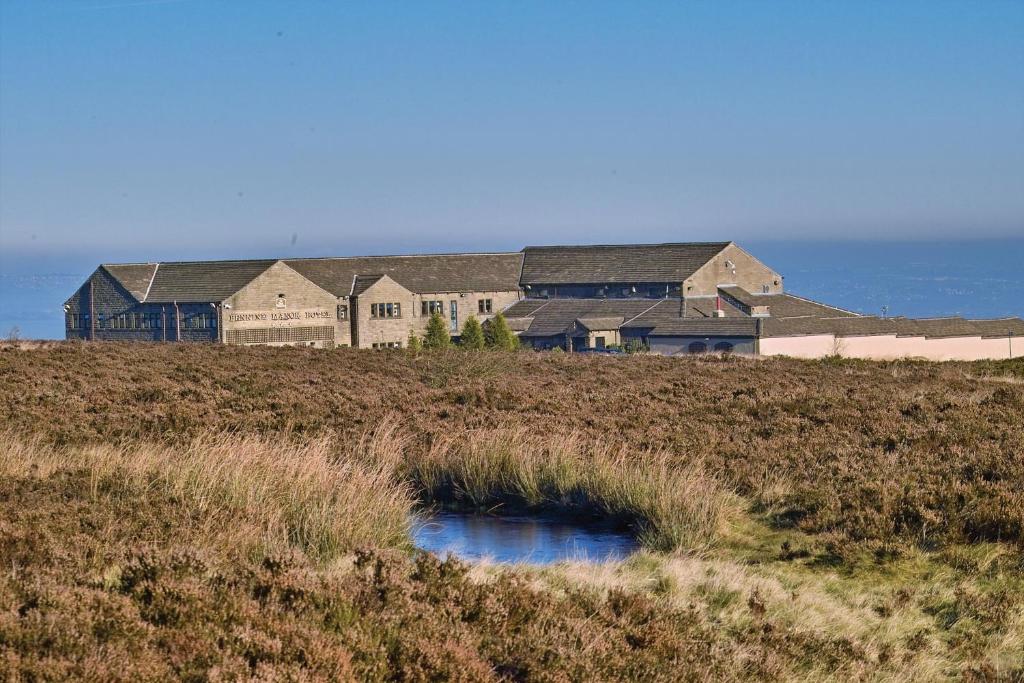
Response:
column 314, row 496
column 674, row 507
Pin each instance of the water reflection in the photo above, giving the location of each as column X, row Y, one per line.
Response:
column 538, row 540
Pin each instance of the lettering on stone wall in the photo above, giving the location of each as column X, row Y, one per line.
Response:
column 278, row 316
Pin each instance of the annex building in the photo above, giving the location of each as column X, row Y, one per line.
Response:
column 683, row 298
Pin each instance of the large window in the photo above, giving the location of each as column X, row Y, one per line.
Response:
column 201, row 321
column 697, row 347
column 392, row 310
column 431, row 307
column 723, row 347
column 484, row 306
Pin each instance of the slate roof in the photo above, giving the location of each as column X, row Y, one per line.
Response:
column 551, row 317
column 187, row 281
column 135, row 277
column 203, row 280
column 623, row 263
column 421, row 274
column 783, row 305
column 361, row 283
column 607, row 323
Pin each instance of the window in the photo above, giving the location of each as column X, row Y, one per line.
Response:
column 484, row 306
column 723, row 347
column 201, row 321
column 387, row 345
column 431, row 307
column 391, row 310
column 342, row 312
column 697, row 347
column 764, row 289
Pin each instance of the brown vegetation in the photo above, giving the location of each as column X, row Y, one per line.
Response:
column 885, row 453
column 208, row 513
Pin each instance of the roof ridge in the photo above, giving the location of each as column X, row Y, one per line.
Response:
column 383, row 256
column 627, row 244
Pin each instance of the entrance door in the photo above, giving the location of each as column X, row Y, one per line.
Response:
column 598, row 342
column 455, row 316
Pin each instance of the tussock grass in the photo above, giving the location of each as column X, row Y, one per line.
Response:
column 313, row 496
column 675, row 507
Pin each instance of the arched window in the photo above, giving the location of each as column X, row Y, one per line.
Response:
column 697, row 347
column 723, row 347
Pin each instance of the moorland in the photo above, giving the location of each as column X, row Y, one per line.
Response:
column 214, row 513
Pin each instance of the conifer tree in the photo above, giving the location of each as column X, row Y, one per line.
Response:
column 499, row 335
column 414, row 344
column 437, row 333
column 472, row 336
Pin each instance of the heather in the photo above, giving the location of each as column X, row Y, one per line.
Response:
column 206, row 513
column 899, row 453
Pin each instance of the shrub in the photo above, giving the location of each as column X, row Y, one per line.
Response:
column 414, row 344
column 499, row 335
column 437, row 333
column 472, row 336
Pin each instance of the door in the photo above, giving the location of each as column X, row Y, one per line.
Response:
column 598, row 342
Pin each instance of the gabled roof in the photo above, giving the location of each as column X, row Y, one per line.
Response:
column 421, row 274
column 620, row 263
column 186, row 281
column 361, row 283
column 607, row 323
column 783, row 305
column 551, row 317
column 134, row 277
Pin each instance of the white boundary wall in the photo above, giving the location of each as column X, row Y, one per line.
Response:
column 891, row 347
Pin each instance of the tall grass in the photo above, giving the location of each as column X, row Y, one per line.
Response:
column 313, row 496
column 674, row 507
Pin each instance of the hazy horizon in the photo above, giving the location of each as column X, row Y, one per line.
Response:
column 157, row 127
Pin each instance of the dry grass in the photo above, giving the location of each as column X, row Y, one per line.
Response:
column 313, row 496
column 675, row 507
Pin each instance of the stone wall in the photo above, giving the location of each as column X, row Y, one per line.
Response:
column 370, row 330
column 280, row 308
column 733, row 266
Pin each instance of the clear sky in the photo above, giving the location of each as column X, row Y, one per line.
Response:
column 187, row 127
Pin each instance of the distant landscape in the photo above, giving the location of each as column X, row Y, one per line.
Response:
column 197, row 511
column 973, row 279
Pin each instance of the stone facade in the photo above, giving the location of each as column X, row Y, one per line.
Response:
column 733, row 266
column 282, row 308
column 414, row 312
column 678, row 298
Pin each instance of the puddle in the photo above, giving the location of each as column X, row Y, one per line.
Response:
column 520, row 538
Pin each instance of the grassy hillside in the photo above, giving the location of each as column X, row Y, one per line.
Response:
column 205, row 512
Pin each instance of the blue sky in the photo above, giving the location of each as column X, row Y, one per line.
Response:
column 188, row 128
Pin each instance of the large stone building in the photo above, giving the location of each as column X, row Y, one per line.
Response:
column 367, row 302
column 668, row 298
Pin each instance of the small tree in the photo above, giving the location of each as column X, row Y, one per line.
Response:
column 437, row 333
column 499, row 335
column 472, row 336
column 414, row 344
